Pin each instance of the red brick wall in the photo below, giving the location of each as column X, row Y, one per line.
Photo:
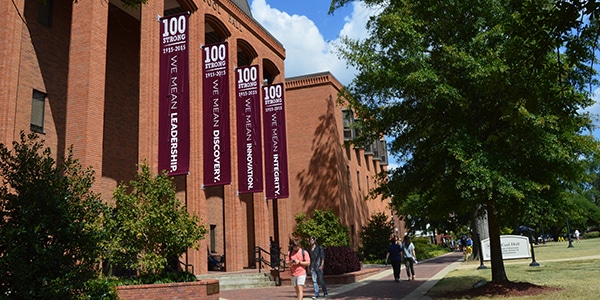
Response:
column 205, row 289
column 121, row 101
column 323, row 173
column 102, row 97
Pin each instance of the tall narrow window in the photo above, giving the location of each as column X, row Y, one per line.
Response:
column 45, row 12
column 348, row 120
column 38, row 104
column 376, row 150
column 213, row 238
column 383, row 152
column 348, row 176
column 358, row 179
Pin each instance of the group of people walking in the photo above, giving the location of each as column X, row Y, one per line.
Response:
column 301, row 261
column 399, row 251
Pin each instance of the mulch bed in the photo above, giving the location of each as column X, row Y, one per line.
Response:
column 517, row 289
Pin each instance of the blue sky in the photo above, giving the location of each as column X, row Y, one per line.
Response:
column 307, row 33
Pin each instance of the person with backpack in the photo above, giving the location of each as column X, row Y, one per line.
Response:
column 298, row 260
column 317, row 262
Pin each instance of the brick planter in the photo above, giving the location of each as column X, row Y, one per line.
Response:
column 334, row 279
column 203, row 289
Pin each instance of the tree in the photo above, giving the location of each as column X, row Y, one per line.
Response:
column 50, row 224
column 375, row 237
column 483, row 101
column 325, row 225
column 149, row 226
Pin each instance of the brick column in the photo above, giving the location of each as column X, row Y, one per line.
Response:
column 10, row 50
column 149, row 81
column 86, row 83
column 196, row 196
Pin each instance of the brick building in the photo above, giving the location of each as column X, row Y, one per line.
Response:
column 86, row 74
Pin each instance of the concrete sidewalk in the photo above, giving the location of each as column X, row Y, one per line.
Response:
column 378, row 286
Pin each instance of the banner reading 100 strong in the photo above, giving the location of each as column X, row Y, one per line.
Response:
column 216, row 132
column 276, row 165
column 174, row 101
column 248, row 129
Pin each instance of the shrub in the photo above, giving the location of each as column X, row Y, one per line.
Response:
column 149, row 225
column 340, row 260
column 591, row 234
column 424, row 249
column 50, row 224
column 325, row 225
column 375, row 237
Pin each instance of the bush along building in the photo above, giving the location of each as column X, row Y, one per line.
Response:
column 196, row 89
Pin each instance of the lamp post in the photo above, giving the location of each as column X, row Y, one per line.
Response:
column 569, row 234
column 481, row 265
column 533, row 262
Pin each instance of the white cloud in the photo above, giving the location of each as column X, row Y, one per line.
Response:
column 306, row 50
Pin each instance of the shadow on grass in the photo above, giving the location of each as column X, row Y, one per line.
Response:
column 454, row 284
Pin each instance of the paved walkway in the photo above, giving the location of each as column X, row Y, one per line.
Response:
column 378, row 286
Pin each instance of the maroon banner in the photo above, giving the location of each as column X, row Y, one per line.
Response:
column 215, row 91
column 248, row 128
column 174, row 101
column 276, row 166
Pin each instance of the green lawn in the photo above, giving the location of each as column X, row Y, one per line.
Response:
column 576, row 270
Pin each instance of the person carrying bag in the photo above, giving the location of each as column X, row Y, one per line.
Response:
column 410, row 258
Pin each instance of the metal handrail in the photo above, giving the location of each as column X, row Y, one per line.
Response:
column 277, row 264
column 186, row 266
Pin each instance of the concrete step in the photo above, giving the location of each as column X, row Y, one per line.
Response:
column 232, row 281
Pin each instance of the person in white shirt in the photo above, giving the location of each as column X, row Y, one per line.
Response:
column 409, row 257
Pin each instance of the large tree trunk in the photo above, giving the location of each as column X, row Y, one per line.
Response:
column 479, row 221
column 498, row 272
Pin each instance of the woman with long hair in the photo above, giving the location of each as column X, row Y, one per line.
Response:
column 410, row 258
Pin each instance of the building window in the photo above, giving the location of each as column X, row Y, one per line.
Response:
column 369, row 150
column 348, row 176
column 45, row 12
column 376, row 150
column 38, row 105
column 358, row 179
column 348, row 120
column 383, row 152
column 213, row 238
column 368, row 184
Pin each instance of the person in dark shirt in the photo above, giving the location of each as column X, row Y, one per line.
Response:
column 317, row 262
column 395, row 255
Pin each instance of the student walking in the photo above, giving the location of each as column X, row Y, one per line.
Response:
column 317, row 262
column 395, row 254
column 410, row 258
column 298, row 261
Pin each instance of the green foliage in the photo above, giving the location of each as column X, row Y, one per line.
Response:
column 325, row 225
column 149, row 226
column 424, row 249
column 102, row 288
column 375, row 237
column 50, row 223
column 483, row 101
column 591, row 234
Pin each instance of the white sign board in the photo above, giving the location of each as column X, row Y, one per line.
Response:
column 513, row 247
